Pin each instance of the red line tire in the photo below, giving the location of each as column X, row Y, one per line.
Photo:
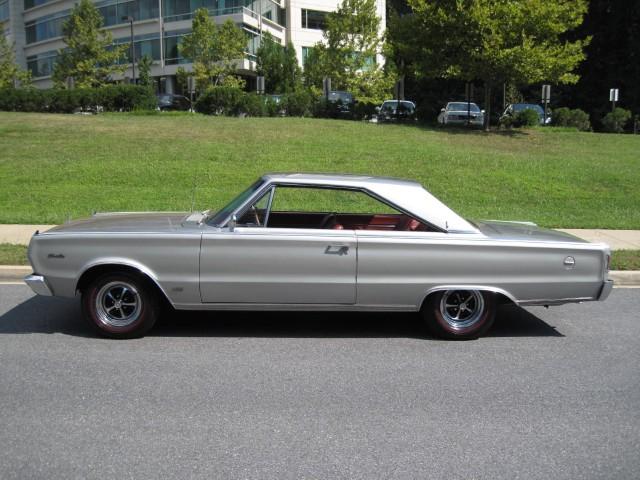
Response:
column 120, row 305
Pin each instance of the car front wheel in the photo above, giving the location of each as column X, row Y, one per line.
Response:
column 460, row 314
column 120, row 305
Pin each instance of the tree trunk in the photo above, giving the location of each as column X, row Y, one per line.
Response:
column 487, row 105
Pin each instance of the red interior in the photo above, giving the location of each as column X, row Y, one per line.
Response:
column 346, row 221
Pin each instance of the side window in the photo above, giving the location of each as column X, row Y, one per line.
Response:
column 257, row 214
column 337, row 209
column 327, row 200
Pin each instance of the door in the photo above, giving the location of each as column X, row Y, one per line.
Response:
column 278, row 265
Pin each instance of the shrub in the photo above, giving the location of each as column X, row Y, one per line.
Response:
column 297, row 104
column 364, row 109
column 526, row 118
column 615, row 121
column 220, row 100
column 271, row 107
column 565, row 117
column 252, row 105
column 113, row 98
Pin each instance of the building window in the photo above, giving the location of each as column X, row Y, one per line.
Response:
column 41, row 65
column 306, row 51
column 313, row 19
column 4, row 11
column 33, row 3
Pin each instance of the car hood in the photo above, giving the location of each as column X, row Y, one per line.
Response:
column 147, row 222
column 526, row 231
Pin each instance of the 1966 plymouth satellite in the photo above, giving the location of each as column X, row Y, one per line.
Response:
column 314, row 242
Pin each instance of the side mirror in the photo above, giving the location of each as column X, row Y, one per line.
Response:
column 377, row 109
column 232, row 223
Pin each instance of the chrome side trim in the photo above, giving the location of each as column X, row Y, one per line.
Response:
column 294, row 307
column 125, row 263
column 440, row 288
column 38, row 284
column 554, row 301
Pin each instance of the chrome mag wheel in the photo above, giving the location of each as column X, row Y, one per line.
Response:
column 461, row 308
column 118, row 304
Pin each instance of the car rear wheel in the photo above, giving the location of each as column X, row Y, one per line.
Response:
column 120, row 305
column 460, row 314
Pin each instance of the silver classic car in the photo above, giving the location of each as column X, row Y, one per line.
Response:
column 314, row 242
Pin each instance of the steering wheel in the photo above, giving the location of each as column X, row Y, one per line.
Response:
column 326, row 219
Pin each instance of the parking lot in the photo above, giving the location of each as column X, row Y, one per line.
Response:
column 548, row 394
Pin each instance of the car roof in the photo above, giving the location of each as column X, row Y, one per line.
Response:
column 408, row 195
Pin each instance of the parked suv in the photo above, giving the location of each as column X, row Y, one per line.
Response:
column 396, row 111
column 343, row 101
column 171, row 102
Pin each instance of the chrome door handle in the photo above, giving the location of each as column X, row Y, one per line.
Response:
column 336, row 250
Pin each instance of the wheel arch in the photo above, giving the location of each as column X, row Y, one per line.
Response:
column 498, row 291
column 95, row 269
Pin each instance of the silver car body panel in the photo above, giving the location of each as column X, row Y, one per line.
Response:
column 201, row 266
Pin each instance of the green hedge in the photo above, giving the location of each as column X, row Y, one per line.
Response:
column 565, row 117
column 112, row 98
column 616, row 121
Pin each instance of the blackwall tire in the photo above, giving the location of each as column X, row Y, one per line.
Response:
column 459, row 314
column 120, row 305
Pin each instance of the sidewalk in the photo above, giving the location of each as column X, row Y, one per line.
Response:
column 617, row 239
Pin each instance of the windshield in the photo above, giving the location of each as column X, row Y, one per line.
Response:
column 165, row 98
column 462, row 106
column 390, row 106
column 222, row 214
column 518, row 107
column 344, row 97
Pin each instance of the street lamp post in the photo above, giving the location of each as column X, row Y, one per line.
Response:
column 133, row 50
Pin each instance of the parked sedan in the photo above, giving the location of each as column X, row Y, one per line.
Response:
column 171, row 102
column 514, row 108
column 314, row 242
column 461, row 113
column 396, row 111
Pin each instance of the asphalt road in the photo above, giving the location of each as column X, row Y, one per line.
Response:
column 549, row 394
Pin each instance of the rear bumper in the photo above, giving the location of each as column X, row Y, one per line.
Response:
column 38, row 284
column 606, row 290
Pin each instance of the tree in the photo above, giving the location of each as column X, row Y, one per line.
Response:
column 348, row 53
column 279, row 65
column 144, row 67
column 89, row 56
column 495, row 41
column 612, row 58
column 10, row 73
column 213, row 50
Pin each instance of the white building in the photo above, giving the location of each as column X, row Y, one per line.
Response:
column 36, row 28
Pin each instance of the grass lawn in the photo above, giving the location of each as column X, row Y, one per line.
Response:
column 620, row 259
column 56, row 166
column 13, row 254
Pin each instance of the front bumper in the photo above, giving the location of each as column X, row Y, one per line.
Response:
column 460, row 121
column 606, row 290
column 38, row 284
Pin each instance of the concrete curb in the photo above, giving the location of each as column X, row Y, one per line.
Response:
column 621, row 278
column 13, row 273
